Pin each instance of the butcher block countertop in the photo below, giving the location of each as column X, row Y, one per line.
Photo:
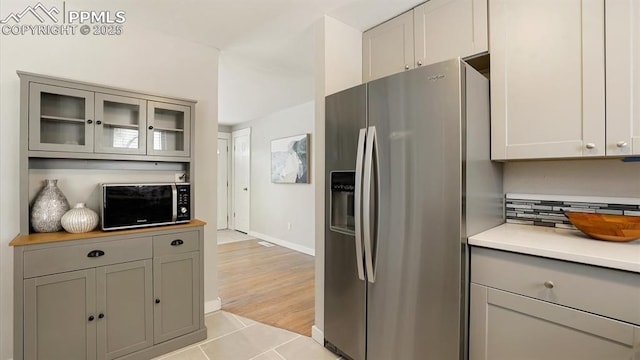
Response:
column 42, row 238
column 562, row 244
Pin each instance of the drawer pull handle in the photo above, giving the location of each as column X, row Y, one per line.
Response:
column 177, row 242
column 95, row 253
column 549, row 284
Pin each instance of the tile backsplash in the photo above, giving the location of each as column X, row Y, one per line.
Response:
column 548, row 210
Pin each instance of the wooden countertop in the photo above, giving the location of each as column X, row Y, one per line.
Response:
column 41, row 238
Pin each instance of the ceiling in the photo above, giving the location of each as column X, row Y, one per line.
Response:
column 266, row 46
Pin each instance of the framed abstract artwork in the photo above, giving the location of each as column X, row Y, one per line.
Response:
column 290, row 160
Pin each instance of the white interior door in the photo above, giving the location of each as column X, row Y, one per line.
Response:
column 223, row 182
column 241, row 178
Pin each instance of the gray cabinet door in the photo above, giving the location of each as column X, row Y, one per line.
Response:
column 168, row 129
column 120, row 125
column 124, row 308
column 508, row 326
column 60, row 119
column 59, row 317
column 176, row 287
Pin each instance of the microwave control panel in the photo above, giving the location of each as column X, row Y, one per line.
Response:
column 184, row 202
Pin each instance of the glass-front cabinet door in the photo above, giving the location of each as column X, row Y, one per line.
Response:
column 60, row 119
column 119, row 124
column 168, row 129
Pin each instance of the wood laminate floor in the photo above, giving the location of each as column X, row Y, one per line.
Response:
column 272, row 285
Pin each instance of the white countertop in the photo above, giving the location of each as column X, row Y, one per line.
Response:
column 570, row 245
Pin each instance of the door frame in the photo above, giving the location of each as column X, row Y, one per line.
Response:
column 234, row 134
column 227, row 136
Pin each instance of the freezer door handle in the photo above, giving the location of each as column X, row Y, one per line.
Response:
column 366, row 203
column 357, row 199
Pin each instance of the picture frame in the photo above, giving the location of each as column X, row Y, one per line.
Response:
column 290, row 160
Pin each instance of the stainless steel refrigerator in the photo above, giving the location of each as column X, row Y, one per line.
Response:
column 409, row 178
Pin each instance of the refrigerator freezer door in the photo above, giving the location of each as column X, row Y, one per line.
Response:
column 344, row 291
column 414, row 308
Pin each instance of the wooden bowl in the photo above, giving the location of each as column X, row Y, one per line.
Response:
column 606, row 227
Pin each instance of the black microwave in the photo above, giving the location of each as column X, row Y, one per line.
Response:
column 127, row 206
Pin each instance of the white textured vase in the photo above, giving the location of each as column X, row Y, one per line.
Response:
column 79, row 219
column 48, row 208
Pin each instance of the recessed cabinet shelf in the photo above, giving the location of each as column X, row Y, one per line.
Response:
column 60, row 118
column 168, row 129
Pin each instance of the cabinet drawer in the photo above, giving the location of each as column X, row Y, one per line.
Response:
column 74, row 257
column 607, row 292
column 176, row 243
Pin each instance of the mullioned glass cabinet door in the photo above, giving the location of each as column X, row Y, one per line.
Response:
column 168, row 129
column 120, row 124
column 60, row 119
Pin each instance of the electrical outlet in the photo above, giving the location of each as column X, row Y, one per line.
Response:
column 288, row 226
column 180, row 177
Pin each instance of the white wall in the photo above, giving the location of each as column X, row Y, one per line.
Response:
column 139, row 59
column 338, row 66
column 275, row 205
column 606, row 177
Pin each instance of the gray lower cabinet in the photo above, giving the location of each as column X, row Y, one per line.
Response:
column 124, row 308
column 57, row 309
column 129, row 296
column 176, row 286
column 506, row 326
column 101, row 313
column 528, row 307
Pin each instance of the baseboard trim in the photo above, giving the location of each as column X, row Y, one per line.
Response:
column 213, row 305
column 317, row 335
column 284, row 243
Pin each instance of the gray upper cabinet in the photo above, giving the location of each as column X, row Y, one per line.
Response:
column 120, row 124
column 570, row 91
column 447, row 29
column 388, row 48
column 75, row 120
column 60, row 119
column 169, row 129
column 435, row 31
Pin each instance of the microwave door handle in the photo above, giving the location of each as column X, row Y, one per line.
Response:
column 174, row 200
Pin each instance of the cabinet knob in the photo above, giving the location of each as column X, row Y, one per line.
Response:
column 98, row 122
column 621, row 144
column 89, row 121
column 91, row 318
column 419, row 63
column 549, row 284
column 101, row 316
column 177, row 242
column 157, row 301
column 150, row 127
column 406, row 67
column 591, row 146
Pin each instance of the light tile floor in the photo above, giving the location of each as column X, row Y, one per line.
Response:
column 232, row 337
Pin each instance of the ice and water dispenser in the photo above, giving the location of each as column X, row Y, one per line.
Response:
column 342, row 212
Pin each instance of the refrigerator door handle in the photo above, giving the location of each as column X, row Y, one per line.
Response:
column 366, row 203
column 357, row 199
